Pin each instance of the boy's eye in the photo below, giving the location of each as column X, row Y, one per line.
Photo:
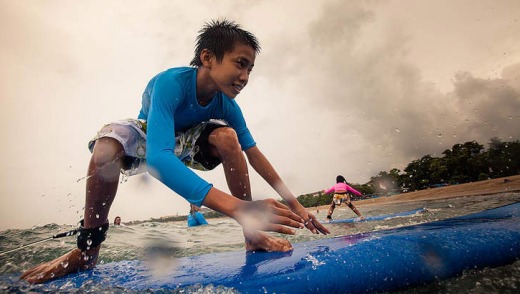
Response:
column 241, row 63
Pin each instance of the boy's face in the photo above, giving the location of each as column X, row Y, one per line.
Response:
column 232, row 73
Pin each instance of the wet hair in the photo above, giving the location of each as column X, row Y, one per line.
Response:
column 115, row 219
column 220, row 37
column 340, row 179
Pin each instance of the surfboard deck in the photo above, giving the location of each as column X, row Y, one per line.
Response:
column 379, row 261
column 377, row 217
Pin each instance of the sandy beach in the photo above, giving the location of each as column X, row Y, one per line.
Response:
column 488, row 187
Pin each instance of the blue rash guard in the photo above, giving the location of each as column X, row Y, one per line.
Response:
column 170, row 105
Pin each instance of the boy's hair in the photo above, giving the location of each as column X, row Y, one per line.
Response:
column 220, row 37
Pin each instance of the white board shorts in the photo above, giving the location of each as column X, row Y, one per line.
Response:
column 191, row 146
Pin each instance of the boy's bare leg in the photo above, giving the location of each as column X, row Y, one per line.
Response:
column 105, row 166
column 102, row 182
column 234, row 163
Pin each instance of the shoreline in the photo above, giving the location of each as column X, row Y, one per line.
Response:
column 486, row 187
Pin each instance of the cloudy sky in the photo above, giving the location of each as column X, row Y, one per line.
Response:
column 340, row 87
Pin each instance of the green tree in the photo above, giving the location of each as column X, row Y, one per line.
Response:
column 465, row 162
column 417, row 173
column 503, row 158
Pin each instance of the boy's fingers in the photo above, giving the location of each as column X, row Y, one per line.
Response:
column 289, row 214
column 281, row 205
column 281, row 229
column 319, row 226
column 286, row 222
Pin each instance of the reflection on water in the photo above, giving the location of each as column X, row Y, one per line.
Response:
column 148, row 240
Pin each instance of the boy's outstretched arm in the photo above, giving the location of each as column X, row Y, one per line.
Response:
column 260, row 163
column 262, row 215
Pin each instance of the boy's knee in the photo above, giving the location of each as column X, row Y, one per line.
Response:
column 225, row 140
column 107, row 151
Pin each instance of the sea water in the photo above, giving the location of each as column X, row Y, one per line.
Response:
column 136, row 241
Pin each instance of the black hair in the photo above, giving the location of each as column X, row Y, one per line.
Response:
column 220, row 37
column 340, row 179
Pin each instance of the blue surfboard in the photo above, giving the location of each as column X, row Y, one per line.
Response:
column 379, row 261
column 377, row 217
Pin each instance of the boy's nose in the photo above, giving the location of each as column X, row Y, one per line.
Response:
column 244, row 77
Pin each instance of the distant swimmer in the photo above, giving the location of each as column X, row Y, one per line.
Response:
column 341, row 195
column 117, row 221
column 195, row 217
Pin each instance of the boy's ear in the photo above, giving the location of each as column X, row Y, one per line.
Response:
column 206, row 57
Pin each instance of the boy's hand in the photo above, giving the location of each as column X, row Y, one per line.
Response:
column 314, row 225
column 268, row 215
column 71, row 262
column 310, row 221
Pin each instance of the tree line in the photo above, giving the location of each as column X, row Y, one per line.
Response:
column 463, row 163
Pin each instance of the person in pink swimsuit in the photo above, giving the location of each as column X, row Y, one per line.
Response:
column 341, row 192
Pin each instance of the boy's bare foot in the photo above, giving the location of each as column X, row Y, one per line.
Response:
column 71, row 262
column 262, row 241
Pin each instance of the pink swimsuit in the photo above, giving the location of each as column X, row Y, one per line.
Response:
column 342, row 187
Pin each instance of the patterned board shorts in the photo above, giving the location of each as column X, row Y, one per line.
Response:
column 341, row 198
column 191, row 146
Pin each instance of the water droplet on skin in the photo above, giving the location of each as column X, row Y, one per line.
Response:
column 65, row 264
column 97, row 215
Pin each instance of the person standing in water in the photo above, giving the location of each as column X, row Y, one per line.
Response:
column 195, row 217
column 341, row 195
column 117, row 221
column 189, row 119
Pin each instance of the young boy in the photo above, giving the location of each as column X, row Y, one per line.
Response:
column 188, row 118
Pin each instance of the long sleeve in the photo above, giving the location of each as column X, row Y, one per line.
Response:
column 161, row 160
